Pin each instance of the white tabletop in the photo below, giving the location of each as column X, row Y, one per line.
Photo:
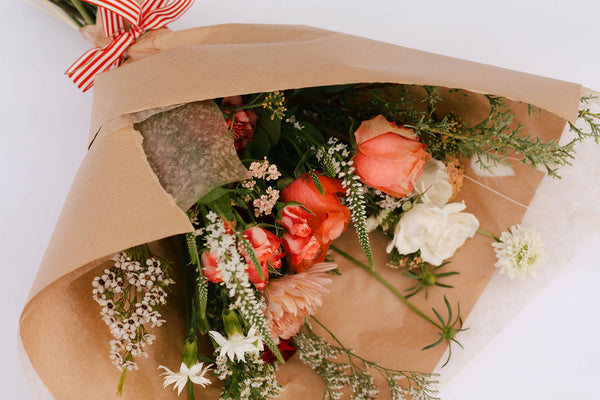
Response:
column 549, row 351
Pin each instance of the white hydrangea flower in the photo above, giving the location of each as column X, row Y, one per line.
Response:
column 433, row 184
column 437, row 232
column 238, row 345
column 179, row 379
column 519, row 252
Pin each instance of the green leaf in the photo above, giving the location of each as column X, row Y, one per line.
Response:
column 267, row 134
column 437, row 314
column 252, row 254
column 432, row 345
column 222, row 205
column 311, row 131
column 449, row 308
column 317, row 183
column 213, row 195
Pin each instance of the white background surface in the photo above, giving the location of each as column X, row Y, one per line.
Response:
column 549, row 351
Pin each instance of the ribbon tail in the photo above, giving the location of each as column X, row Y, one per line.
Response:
column 95, row 61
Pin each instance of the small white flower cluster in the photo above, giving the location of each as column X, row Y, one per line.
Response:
column 315, row 352
column 333, row 165
column 250, row 184
column 264, row 170
column 318, row 354
column 335, row 160
column 261, row 382
column 363, row 387
column 235, row 278
column 292, row 120
column 265, row 203
column 388, row 202
column 129, row 294
column 261, row 378
column 223, row 371
column 374, row 221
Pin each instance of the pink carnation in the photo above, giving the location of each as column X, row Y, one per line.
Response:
column 294, row 297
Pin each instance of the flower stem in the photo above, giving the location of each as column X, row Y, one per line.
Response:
column 484, row 233
column 190, row 389
column 84, row 14
column 386, row 284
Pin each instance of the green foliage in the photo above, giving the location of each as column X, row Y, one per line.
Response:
column 201, row 286
column 267, row 134
column 427, row 277
column 449, row 329
column 80, row 12
column 213, row 195
column 592, row 120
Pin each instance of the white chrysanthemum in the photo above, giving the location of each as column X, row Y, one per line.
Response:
column 519, row 252
column 238, row 345
column 179, row 379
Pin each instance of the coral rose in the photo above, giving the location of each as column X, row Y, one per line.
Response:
column 266, row 246
column 210, row 268
column 389, row 157
column 327, row 222
column 295, row 220
column 302, row 248
column 330, row 217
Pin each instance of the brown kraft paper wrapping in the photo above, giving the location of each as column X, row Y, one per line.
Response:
column 117, row 202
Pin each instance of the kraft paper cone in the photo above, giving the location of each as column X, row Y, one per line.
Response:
column 117, row 202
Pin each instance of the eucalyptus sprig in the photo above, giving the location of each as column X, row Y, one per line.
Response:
column 427, row 277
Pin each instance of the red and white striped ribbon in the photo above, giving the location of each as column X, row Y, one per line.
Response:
column 115, row 15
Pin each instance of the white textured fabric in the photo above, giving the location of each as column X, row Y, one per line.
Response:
column 565, row 211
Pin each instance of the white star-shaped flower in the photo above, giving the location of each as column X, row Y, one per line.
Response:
column 238, row 345
column 179, row 379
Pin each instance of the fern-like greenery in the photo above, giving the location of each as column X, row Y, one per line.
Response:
column 491, row 141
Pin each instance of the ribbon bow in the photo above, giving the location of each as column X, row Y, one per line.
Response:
column 114, row 14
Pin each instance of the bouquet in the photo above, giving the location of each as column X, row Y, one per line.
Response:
column 318, row 228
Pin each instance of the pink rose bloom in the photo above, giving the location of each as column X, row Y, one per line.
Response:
column 389, row 157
